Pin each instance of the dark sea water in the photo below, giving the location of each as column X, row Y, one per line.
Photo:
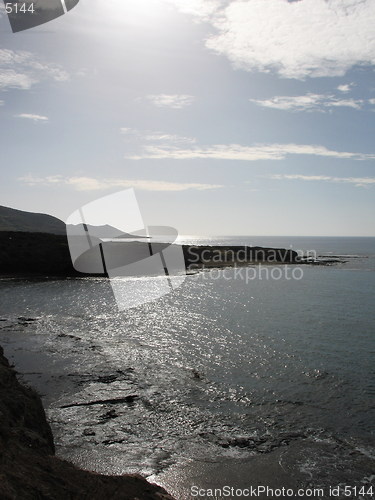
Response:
column 222, row 368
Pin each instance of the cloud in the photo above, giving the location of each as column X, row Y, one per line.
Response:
column 13, row 79
column 371, row 101
column 22, row 70
column 357, row 181
column 95, row 184
column 348, row 103
column 174, row 101
column 160, row 145
column 128, row 130
column 299, row 39
column 346, row 87
column 244, row 153
column 156, row 137
column 35, row 118
column 170, row 138
column 308, row 102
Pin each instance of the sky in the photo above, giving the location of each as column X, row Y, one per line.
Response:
column 227, row 117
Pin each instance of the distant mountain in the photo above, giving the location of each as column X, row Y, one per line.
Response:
column 29, row 222
column 100, row 231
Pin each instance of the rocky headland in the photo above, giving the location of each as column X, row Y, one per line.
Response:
column 33, row 244
column 28, row 253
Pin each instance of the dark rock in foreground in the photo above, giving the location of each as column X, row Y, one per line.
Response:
column 28, row 469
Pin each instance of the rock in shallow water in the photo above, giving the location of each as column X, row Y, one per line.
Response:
column 28, row 469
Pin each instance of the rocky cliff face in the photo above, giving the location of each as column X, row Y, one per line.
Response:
column 35, row 253
column 28, row 469
column 48, row 254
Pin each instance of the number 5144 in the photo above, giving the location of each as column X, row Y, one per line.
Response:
column 15, row 8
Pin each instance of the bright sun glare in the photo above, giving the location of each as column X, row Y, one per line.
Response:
column 138, row 11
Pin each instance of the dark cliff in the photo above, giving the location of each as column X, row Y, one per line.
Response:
column 28, row 469
column 34, row 253
column 48, row 254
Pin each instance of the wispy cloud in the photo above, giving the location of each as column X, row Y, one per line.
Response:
column 308, row 102
column 96, row 184
column 174, row 101
column 244, row 153
column 357, row 181
column 35, row 118
column 170, row 138
column 161, row 145
column 22, row 70
column 345, row 88
column 155, row 136
column 129, row 131
column 299, row 39
column 13, row 79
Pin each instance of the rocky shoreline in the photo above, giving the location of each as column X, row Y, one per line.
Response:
column 28, row 467
column 42, row 254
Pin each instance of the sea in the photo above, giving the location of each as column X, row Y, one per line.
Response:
column 228, row 366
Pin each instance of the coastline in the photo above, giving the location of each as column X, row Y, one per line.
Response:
column 178, row 478
column 42, row 255
column 28, row 467
column 298, row 463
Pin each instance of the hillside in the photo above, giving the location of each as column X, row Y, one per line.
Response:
column 30, row 222
column 18, row 220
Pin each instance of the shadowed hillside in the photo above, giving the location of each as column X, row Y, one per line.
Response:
column 18, row 220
